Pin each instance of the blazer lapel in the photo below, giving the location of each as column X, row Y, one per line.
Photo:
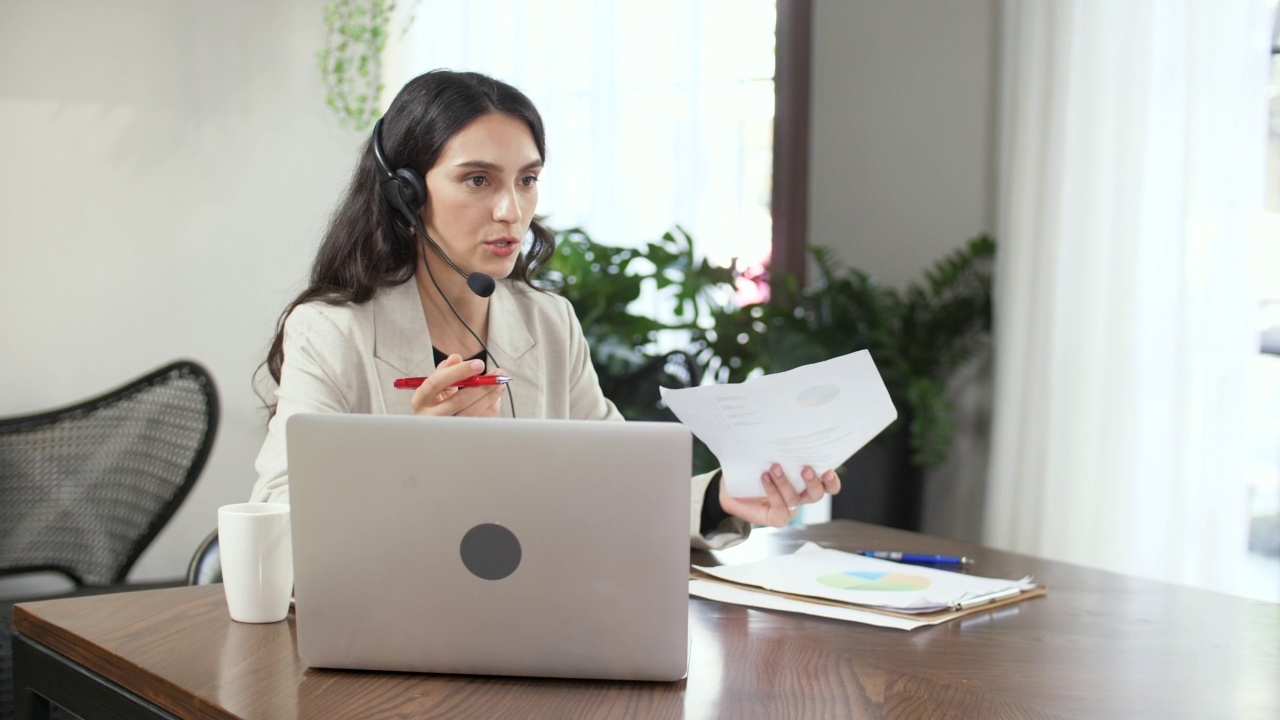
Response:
column 509, row 336
column 401, row 338
column 402, row 342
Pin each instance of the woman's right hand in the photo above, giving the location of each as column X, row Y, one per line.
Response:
column 437, row 396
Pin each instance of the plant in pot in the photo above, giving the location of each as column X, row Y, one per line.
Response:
column 918, row 338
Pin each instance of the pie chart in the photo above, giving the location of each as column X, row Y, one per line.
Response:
column 818, row 395
column 871, row 580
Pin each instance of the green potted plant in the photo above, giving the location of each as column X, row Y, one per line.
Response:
column 918, row 338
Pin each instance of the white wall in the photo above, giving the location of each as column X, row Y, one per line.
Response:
column 166, row 169
column 902, row 172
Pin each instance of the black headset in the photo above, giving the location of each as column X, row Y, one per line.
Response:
column 403, row 188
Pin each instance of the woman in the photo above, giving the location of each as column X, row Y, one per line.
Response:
column 441, row 202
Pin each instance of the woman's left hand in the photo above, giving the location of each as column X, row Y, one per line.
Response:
column 781, row 501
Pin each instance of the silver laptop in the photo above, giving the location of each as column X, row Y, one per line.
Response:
column 552, row 548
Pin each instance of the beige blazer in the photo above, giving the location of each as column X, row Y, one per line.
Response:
column 344, row 358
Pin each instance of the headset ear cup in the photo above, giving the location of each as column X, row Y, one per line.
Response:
column 394, row 193
column 404, row 189
column 413, row 190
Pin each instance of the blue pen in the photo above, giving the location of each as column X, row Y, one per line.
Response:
column 917, row 558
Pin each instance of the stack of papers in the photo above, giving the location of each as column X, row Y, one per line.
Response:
column 846, row 586
column 816, row 415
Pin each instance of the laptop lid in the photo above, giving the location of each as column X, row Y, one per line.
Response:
column 553, row 548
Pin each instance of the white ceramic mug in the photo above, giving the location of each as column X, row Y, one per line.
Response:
column 256, row 551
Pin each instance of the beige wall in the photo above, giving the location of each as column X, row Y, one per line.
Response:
column 902, row 163
column 167, row 168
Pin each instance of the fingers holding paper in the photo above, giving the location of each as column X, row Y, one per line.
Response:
column 781, row 500
column 821, row 413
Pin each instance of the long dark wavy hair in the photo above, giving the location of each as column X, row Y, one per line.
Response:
column 368, row 246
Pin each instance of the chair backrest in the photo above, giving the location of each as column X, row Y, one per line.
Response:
column 205, row 567
column 84, row 489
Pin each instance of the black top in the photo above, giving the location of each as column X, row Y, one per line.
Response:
column 441, row 357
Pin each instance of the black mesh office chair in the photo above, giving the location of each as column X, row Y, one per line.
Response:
column 206, row 565
column 85, row 489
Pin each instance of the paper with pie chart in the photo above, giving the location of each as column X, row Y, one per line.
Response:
column 814, row 571
column 816, row 415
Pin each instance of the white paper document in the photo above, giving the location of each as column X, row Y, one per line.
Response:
column 733, row 595
column 816, row 415
column 814, row 571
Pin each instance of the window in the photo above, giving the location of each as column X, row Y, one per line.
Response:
column 1264, row 459
column 657, row 114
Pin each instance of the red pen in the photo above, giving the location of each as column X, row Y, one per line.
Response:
column 476, row 381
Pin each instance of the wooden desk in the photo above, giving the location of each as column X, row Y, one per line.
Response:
column 1099, row 645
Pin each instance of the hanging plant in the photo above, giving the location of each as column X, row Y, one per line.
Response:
column 351, row 60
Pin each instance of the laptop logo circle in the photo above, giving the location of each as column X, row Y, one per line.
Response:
column 490, row 551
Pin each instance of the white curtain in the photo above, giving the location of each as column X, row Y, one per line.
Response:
column 1132, row 159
